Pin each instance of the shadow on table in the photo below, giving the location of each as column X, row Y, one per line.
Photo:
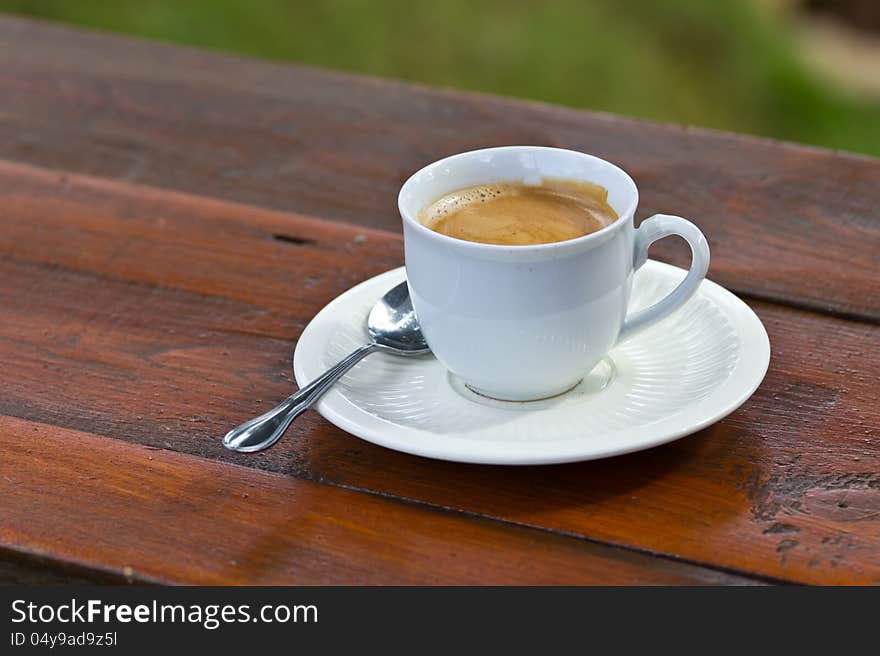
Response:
column 551, row 496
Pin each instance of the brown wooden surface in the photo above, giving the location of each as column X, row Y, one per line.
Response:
column 160, row 318
column 339, row 146
column 151, row 515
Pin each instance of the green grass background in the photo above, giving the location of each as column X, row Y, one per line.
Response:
column 714, row 63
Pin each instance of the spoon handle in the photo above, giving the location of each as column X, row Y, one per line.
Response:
column 262, row 432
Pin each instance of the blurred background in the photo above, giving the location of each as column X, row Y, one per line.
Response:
column 801, row 70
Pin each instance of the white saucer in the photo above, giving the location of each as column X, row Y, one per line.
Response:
column 673, row 379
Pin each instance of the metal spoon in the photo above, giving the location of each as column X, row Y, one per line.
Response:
column 393, row 328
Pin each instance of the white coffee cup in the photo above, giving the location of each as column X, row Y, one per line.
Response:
column 529, row 322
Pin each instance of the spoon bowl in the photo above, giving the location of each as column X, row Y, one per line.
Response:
column 393, row 326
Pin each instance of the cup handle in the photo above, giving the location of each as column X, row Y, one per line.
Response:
column 657, row 227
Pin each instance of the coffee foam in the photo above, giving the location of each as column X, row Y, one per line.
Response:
column 455, row 201
column 521, row 214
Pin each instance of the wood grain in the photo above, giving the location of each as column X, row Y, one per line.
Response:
column 151, row 515
column 785, row 223
column 159, row 318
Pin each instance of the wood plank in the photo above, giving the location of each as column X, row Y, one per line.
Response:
column 339, row 146
column 152, row 515
column 155, row 237
column 118, row 324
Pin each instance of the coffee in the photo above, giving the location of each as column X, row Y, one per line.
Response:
column 517, row 214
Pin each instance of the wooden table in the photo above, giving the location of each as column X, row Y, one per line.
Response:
column 172, row 219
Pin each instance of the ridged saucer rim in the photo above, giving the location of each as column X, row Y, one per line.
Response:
column 744, row 379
